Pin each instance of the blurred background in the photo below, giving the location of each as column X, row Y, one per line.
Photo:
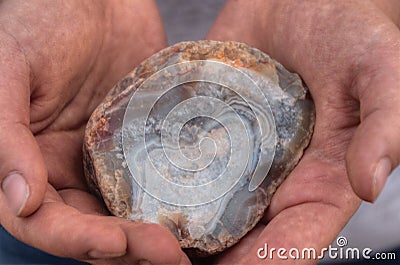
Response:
column 376, row 226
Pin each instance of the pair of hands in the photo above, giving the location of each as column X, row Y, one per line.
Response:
column 59, row 59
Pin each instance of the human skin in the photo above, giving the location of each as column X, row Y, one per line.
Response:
column 348, row 54
column 52, row 79
column 58, row 59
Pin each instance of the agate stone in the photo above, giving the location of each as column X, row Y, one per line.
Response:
column 197, row 138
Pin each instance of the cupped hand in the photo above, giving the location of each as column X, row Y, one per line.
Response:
column 348, row 53
column 58, row 59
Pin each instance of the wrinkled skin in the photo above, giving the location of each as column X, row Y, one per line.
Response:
column 348, row 54
column 57, row 66
column 58, row 59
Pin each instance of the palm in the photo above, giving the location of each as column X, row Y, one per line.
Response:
column 314, row 196
column 70, row 210
column 72, row 67
column 350, row 63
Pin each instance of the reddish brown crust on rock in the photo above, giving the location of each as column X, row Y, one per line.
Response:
column 110, row 179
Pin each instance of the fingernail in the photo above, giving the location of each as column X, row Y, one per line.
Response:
column 382, row 171
column 95, row 254
column 17, row 192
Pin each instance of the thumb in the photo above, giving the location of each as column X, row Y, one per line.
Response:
column 23, row 176
column 375, row 148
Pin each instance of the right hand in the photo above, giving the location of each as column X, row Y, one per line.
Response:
column 58, row 59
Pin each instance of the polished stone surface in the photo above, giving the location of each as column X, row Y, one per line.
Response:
column 197, row 138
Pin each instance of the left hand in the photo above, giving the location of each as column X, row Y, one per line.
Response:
column 348, row 54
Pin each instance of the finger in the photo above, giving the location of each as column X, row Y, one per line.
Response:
column 156, row 239
column 375, row 148
column 152, row 243
column 144, row 241
column 390, row 8
column 66, row 232
column 83, row 201
column 62, row 152
column 237, row 252
column 23, row 174
column 308, row 210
